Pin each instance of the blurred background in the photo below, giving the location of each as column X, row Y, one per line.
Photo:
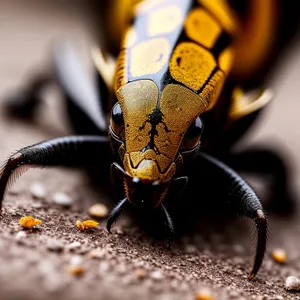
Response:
column 28, row 29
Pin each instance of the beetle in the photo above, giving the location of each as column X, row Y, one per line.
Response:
column 178, row 69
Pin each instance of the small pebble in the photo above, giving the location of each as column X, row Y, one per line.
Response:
column 62, row 199
column 74, row 246
column 104, row 267
column 121, row 269
column 21, row 235
column 96, row 253
column 75, row 268
column 140, row 273
column 157, row 275
column 204, row 294
column 279, row 255
column 55, row 245
column 190, row 249
column 292, row 283
column 98, row 210
column 38, row 191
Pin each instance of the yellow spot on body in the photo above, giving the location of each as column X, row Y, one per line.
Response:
column 202, row 28
column 164, row 20
column 147, row 170
column 86, row 224
column 177, row 121
column 150, row 154
column 191, row 65
column 223, row 13
column 279, row 255
column 163, row 161
column 225, row 59
column 137, row 100
column 29, row 222
column 149, row 57
column 136, row 158
column 212, row 90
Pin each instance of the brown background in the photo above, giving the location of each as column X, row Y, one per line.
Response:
column 219, row 261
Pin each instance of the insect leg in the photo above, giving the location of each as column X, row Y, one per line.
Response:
column 25, row 102
column 81, row 91
column 64, row 151
column 267, row 161
column 170, row 226
column 241, row 198
column 115, row 213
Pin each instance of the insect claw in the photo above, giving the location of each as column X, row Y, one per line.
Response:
column 170, row 242
column 114, row 214
column 170, row 226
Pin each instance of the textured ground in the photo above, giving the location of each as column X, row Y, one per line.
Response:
column 129, row 265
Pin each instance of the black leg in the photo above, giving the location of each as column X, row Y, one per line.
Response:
column 24, row 103
column 83, row 93
column 240, row 197
column 115, row 213
column 65, row 151
column 85, row 98
column 267, row 162
column 170, row 226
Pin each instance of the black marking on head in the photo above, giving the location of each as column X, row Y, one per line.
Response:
column 155, row 118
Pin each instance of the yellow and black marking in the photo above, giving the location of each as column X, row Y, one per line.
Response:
column 174, row 57
column 187, row 30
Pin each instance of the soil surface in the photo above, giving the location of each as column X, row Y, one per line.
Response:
column 129, row 264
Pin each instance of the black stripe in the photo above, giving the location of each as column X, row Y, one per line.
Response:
column 214, row 71
column 222, row 42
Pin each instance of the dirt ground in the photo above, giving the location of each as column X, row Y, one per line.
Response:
column 35, row 264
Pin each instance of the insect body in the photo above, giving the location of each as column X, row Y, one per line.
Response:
column 173, row 63
column 171, row 69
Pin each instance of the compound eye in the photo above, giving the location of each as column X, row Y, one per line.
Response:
column 193, row 135
column 117, row 120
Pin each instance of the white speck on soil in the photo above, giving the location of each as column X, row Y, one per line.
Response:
column 21, row 235
column 292, row 283
column 73, row 246
column 38, row 191
column 62, row 199
column 98, row 210
column 157, row 275
column 55, row 245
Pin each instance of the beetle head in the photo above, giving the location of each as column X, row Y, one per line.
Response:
column 151, row 133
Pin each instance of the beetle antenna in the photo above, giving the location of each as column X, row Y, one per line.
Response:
column 170, row 226
column 115, row 213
